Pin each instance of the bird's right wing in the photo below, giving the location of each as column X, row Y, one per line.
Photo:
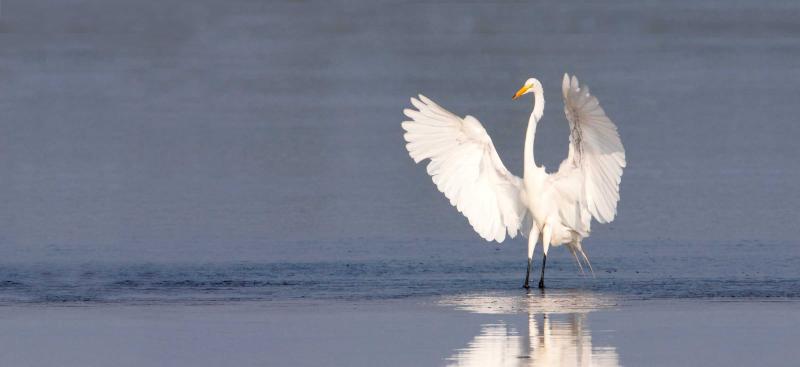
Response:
column 465, row 167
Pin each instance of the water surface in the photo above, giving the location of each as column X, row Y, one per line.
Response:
column 225, row 183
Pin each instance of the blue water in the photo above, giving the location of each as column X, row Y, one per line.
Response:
column 747, row 275
column 205, row 183
column 158, row 151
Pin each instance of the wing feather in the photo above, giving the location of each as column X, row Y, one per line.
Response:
column 465, row 166
column 589, row 178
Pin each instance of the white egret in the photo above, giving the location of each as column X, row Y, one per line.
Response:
column 555, row 208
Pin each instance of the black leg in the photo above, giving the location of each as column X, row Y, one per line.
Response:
column 541, row 279
column 527, row 275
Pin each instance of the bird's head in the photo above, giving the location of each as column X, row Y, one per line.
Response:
column 531, row 85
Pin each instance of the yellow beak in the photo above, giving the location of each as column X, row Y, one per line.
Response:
column 521, row 91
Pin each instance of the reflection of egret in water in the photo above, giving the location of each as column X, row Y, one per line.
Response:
column 556, row 332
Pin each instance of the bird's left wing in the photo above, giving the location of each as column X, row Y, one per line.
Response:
column 465, row 166
column 588, row 180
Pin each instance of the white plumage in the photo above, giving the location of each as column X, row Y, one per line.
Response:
column 554, row 208
column 465, row 167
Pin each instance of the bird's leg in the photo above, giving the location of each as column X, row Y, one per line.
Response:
column 541, row 279
column 547, row 234
column 527, row 275
column 533, row 237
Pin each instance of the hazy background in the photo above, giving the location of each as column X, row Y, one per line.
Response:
column 270, row 131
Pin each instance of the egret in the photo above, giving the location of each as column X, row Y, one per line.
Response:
column 554, row 208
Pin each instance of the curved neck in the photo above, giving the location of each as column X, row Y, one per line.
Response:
column 538, row 109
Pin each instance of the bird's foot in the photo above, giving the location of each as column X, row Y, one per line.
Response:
column 526, row 286
column 541, row 284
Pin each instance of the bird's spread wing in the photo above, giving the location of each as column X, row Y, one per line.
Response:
column 465, row 167
column 588, row 180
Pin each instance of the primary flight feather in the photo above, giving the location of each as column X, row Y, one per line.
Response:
column 554, row 208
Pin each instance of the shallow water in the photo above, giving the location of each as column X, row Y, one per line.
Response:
column 254, row 151
column 237, row 131
column 590, row 329
column 225, row 183
column 566, row 328
column 643, row 277
column 556, row 332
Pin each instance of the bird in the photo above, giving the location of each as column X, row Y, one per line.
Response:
column 552, row 208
